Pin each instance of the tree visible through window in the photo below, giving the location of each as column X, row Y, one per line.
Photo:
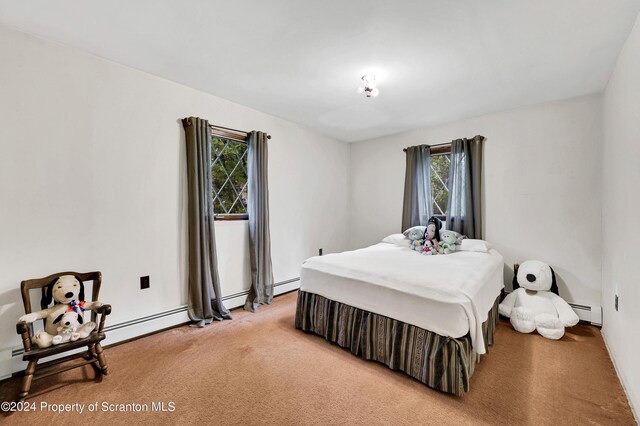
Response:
column 440, row 183
column 229, row 177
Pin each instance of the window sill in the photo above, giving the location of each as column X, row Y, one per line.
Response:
column 231, row 217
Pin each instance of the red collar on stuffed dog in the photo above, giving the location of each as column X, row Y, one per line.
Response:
column 73, row 306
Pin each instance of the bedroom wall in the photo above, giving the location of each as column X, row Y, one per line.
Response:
column 620, row 206
column 542, row 187
column 92, row 177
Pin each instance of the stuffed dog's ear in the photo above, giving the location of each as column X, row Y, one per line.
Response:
column 47, row 297
column 514, row 283
column 81, row 294
column 57, row 320
column 554, row 285
column 80, row 320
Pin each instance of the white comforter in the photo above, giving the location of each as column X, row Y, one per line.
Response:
column 447, row 294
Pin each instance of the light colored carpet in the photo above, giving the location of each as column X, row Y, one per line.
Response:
column 258, row 369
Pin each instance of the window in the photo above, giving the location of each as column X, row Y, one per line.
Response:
column 440, row 163
column 229, row 178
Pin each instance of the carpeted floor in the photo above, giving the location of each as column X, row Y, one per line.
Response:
column 258, row 369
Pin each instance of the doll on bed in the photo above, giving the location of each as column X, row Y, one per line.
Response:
column 432, row 236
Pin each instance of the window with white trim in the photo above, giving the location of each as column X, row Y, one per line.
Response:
column 229, row 178
column 440, row 164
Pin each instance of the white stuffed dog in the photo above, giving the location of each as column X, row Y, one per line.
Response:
column 68, row 329
column 68, row 293
column 536, row 305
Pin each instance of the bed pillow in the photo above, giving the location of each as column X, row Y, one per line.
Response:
column 397, row 239
column 469, row 244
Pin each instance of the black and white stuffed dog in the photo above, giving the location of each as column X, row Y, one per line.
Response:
column 69, row 324
column 68, row 294
column 534, row 303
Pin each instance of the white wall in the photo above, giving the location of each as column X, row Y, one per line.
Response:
column 92, row 177
column 620, row 215
column 542, row 187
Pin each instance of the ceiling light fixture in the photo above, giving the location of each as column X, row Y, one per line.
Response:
column 369, row 89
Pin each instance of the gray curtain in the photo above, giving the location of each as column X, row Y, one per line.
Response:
column 416, row 207
column 261, row 290
column 205, row 304
column 464, row 209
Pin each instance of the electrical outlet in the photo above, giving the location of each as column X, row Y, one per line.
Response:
column 616, row 302
column 320, row 252
column 144, row 282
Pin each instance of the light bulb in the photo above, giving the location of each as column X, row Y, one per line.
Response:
column 375, row 92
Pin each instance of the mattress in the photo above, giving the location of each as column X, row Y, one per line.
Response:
column 450, row 295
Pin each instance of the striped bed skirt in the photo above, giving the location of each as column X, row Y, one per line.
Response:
column 442, row 363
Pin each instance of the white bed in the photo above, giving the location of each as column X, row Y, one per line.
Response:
column 448, row 294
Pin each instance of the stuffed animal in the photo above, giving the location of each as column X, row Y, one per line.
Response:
column 447, row 242
column 433, row 228
column 459, row 237
column 414, row 233
column 68, row 294
column 432, row 236
column 68, row 330
column 417, row 245
column 429, row 248
column 535, row 304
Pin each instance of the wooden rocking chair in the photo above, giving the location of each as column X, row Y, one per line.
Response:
column 94, row 354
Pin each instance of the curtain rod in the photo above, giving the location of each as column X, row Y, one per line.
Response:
column 431, row 146
column 233, row 130
column 448, row 143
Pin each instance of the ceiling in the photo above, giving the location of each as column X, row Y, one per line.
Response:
column 436, row 61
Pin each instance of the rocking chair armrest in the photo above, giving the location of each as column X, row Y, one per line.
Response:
column 23, row 329
column 103, row 310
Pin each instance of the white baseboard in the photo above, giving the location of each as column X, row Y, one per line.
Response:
column 592, row 314
column 237, row 300
column 5, row 363
column 11, row 358
column 621, row 377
